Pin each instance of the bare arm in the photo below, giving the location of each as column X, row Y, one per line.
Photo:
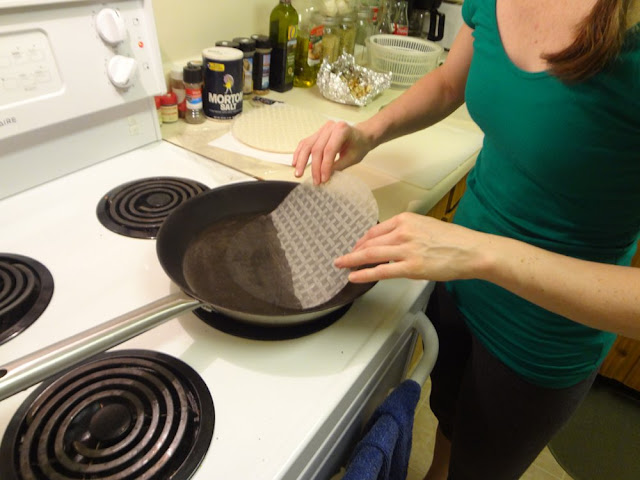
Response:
column 428, row 101
column 606, row 297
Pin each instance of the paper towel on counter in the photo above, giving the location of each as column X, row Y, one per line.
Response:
column 230, row 143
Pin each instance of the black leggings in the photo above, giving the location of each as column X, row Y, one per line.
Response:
column 497, row 421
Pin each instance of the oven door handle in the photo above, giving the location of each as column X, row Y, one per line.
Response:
column 41, row 364
column 430, row 346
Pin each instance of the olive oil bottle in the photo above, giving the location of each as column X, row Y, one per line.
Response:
column 283, row 33
column 309, row 47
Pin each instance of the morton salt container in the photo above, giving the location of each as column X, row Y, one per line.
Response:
column 222, row 95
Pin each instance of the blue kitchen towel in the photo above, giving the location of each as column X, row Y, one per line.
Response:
column 383, row 453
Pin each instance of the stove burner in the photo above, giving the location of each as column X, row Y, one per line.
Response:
column 26, row 287
column 137, row 209
column 110, row 423
column 128, row 414
column 252, row 331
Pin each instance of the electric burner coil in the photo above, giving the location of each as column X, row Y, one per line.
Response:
column 123, row 415
column 138, row 208
column 26, row 288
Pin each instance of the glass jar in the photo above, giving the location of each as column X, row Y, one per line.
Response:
column 158, row 101
column 227, row 43
column 176, row 85
column 248, row 48
column 309, row 47
column 331, row 39
column 374, row 9
column 347, row 34
column 193, row 84
column 261, row 64
column 364, row 29
column 169, row 107
column 385, row 19
column 401, row 18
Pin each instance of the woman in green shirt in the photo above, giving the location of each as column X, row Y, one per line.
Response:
column 536, row 264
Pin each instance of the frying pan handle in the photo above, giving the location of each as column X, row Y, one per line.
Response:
column 41, row 364
column 430, row 345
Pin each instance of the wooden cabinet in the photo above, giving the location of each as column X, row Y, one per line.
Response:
column 623, row 362
column 443, row 210
column 446, row 207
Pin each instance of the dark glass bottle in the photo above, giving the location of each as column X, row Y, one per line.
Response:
column 283, row 33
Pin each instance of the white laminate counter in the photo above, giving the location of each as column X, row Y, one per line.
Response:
column 393, row 195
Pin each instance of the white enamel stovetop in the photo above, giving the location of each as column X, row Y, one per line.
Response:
column 281, row 405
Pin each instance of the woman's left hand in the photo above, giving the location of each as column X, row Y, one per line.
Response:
column 415, row 246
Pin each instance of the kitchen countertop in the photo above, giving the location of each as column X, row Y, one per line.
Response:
column 394, row 192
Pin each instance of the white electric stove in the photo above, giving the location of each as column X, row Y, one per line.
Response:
column 77, row 121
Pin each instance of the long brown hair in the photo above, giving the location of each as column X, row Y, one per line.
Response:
column 599, row 40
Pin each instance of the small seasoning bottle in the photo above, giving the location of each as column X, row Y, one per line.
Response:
column 227, row 43
column 176, row 85
column 193, row 83
column 261, row 64
column 169, row 107
column 158, row 100
column 248, row 48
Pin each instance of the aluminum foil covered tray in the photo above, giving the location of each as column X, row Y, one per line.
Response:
column 345, row 82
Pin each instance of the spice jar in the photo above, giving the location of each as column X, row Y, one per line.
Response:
column 193, row 88
column 158, row 108
column 248, row 48
column 176, row 85
column 169, row 107
column 261, row 64
column 227, row 43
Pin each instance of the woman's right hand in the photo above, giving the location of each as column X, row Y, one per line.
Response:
column 336, row 146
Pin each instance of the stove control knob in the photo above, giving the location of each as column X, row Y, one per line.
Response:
column 110, row 26
column 121, row 70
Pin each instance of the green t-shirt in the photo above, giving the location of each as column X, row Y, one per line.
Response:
column 560, row 169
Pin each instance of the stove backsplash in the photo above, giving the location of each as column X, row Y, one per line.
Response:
column 186, row 28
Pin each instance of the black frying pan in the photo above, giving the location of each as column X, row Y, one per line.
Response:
column 181, row 229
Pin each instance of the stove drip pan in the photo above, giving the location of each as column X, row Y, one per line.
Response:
column 26, row 288
column 137, row 209
column 252, row 331
column 127, row 414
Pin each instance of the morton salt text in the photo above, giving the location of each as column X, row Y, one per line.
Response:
column 226, row 101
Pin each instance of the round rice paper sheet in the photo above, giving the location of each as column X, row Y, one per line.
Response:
column 277, row 128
